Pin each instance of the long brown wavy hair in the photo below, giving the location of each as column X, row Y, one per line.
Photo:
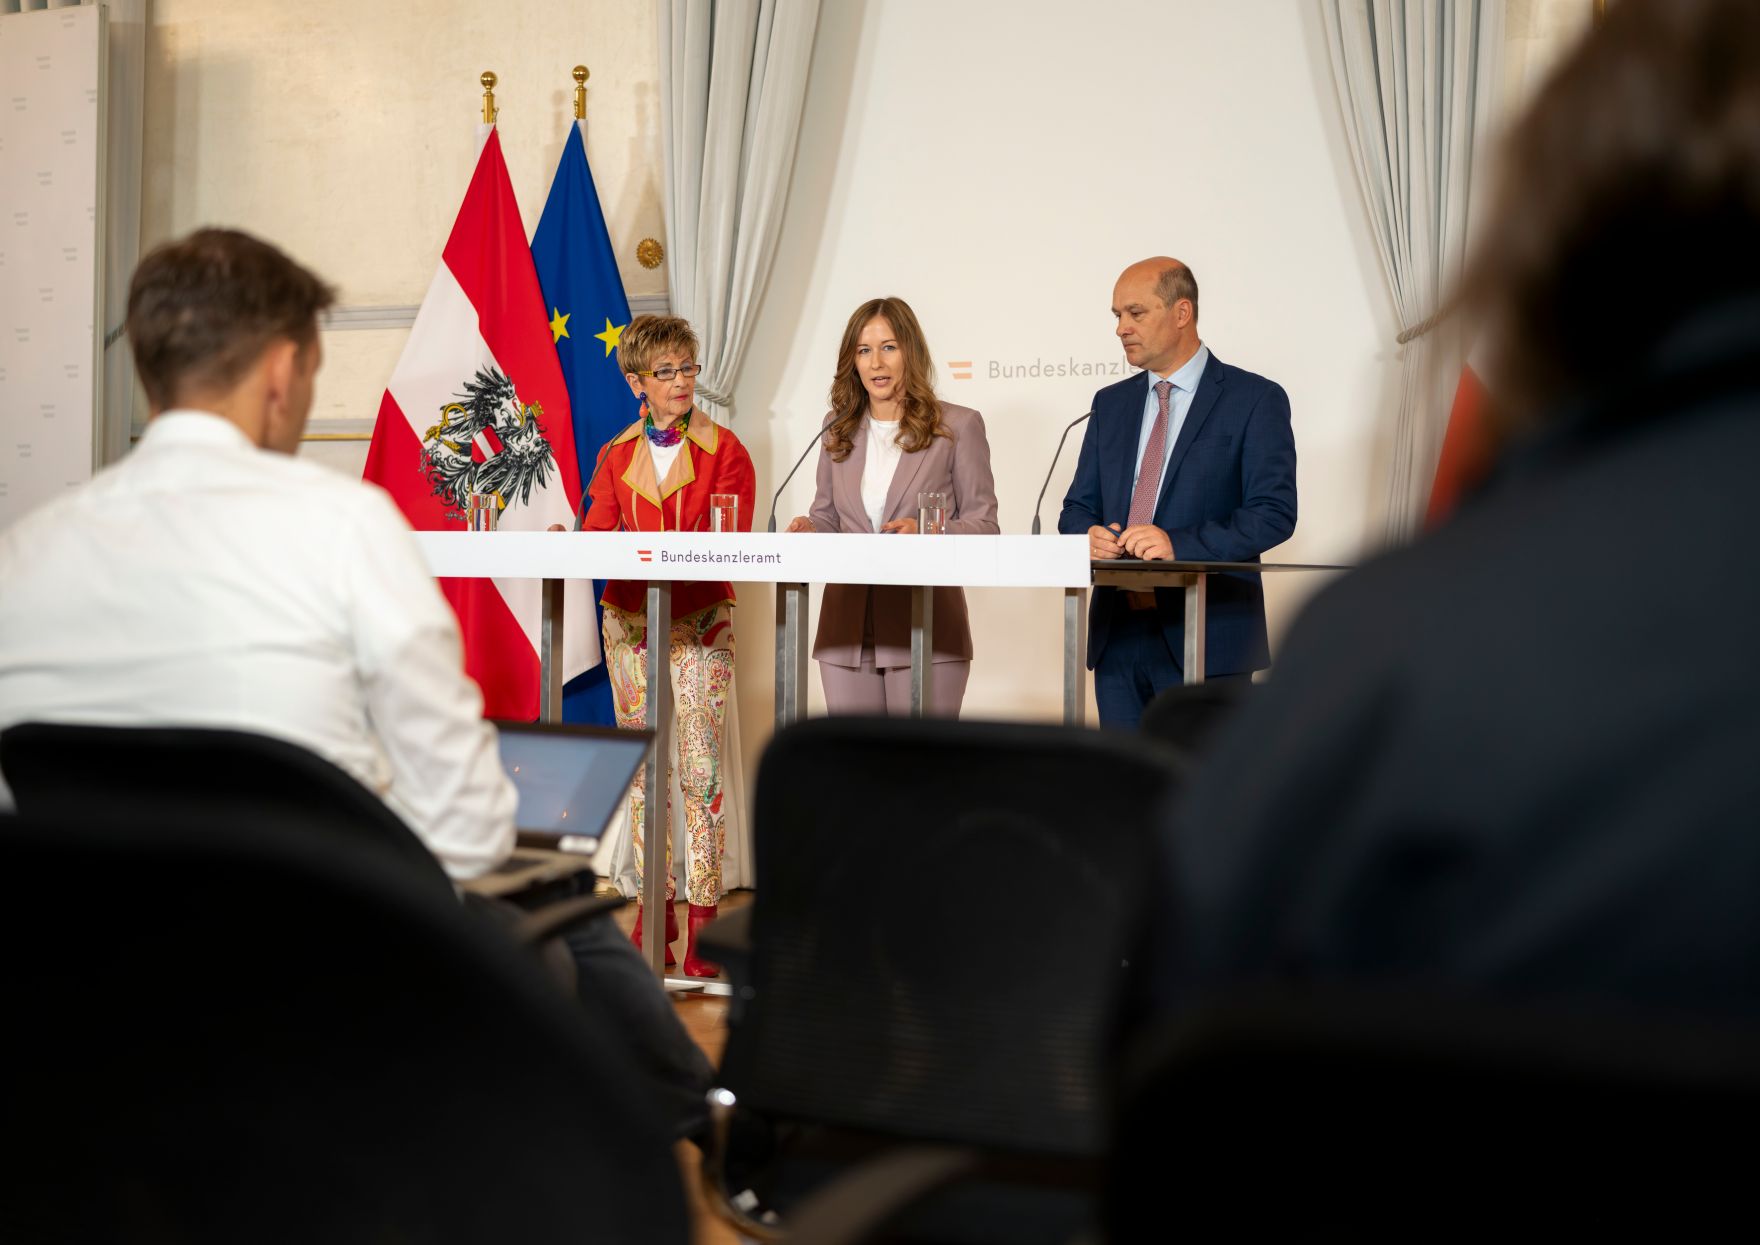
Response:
column 919, row 408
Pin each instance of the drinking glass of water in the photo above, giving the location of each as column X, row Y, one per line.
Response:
column 932, row 514
column 485, row 510
column 724, row 512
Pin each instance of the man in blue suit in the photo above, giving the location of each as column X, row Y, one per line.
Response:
column 1189, row 459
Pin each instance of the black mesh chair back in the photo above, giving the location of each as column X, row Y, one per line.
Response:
column 940, row 929
column 1376, row 1114
column 1185, row 717
column 259, row 1033
column 224, row 776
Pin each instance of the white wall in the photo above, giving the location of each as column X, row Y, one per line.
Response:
column 997, row 164
column 345, row 132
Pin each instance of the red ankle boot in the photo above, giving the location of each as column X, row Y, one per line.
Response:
column 635, row 935
column 694, row 966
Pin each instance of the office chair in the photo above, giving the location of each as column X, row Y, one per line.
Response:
column 232, row 778
column 223, row 1033
column 60, row 768
column 939, row 941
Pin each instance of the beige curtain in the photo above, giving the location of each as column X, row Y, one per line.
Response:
column 1416, row 83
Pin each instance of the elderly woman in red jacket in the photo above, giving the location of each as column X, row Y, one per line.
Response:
column 657, row 475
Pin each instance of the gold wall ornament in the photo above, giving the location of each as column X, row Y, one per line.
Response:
column 488, row 81
column 580, row 92
column 649, row 253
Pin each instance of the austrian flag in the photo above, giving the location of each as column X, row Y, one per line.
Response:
column 477, row 404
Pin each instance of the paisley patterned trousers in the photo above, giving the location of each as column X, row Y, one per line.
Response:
column 702, row 673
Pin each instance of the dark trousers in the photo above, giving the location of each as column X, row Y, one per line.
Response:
column 613, row 980
column 1136, row 666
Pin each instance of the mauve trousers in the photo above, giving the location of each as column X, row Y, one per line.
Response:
column 879, row 693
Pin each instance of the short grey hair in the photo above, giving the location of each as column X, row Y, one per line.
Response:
column 1177, row 282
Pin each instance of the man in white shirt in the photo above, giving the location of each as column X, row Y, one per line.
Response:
column 212, row 579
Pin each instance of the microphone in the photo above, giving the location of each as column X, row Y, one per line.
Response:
column 1053, row 467
column 580, row 511
column 817, row 438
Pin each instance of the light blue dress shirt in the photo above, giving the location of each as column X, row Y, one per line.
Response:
column 1185, row 385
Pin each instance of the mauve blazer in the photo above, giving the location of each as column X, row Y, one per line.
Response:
column 957, row 464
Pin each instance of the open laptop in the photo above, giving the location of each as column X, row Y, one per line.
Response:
column 571, row 781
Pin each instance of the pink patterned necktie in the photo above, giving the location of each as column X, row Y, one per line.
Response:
column 1149, row 478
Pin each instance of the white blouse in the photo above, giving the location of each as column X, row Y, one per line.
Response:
column 664, row 456
column 881, row 465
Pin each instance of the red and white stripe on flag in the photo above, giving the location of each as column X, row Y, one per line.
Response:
column 477, row 403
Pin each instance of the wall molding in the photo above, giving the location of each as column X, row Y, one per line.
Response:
column 401, row 316
column 345, row 319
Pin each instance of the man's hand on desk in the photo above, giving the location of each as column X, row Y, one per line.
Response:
column 1146, row 541
column 1103, row 544
column 800, row 523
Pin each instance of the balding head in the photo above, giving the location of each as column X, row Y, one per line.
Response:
column 1156, row 305
column 1171, row 280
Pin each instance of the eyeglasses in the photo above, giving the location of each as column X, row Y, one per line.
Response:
column 667, row 373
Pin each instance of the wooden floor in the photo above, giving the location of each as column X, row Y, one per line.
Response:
column 705, row 1018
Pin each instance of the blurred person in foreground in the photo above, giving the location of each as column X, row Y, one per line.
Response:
column 211, row 578
column 1517, row 759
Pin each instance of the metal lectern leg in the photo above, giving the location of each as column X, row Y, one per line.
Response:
column 550, row 653
column 656, row 827
column 791, row 653
column 1197, row 594
column 1075, row 653
column 922, row 649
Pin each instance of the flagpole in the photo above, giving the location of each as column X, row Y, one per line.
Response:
column 580, row 92
column 488, row 81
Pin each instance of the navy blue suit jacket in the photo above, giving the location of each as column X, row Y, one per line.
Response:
column 1228, row 496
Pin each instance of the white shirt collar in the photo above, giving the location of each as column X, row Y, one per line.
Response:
column 1188, row 375
column 187, row 426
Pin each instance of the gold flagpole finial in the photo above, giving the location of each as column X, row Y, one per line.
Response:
column 488, row 81
column 580, row 92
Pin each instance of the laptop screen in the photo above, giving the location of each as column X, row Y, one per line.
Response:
column 570, row 779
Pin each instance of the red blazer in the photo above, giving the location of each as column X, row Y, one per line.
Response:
column 627, row 497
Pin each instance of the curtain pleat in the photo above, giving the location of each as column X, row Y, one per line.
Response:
column 1415, row 82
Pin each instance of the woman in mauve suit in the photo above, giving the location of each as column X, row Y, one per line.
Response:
column 888, row 438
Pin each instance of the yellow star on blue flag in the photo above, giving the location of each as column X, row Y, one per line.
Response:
column 611, row 335
column 558, row 326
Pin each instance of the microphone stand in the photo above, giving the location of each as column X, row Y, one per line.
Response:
column 580, row 510
column 817, row 437
column 1053, row 467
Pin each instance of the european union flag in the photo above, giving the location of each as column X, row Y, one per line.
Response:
column 588, row 311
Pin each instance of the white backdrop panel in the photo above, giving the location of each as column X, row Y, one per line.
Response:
column 51, row 71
